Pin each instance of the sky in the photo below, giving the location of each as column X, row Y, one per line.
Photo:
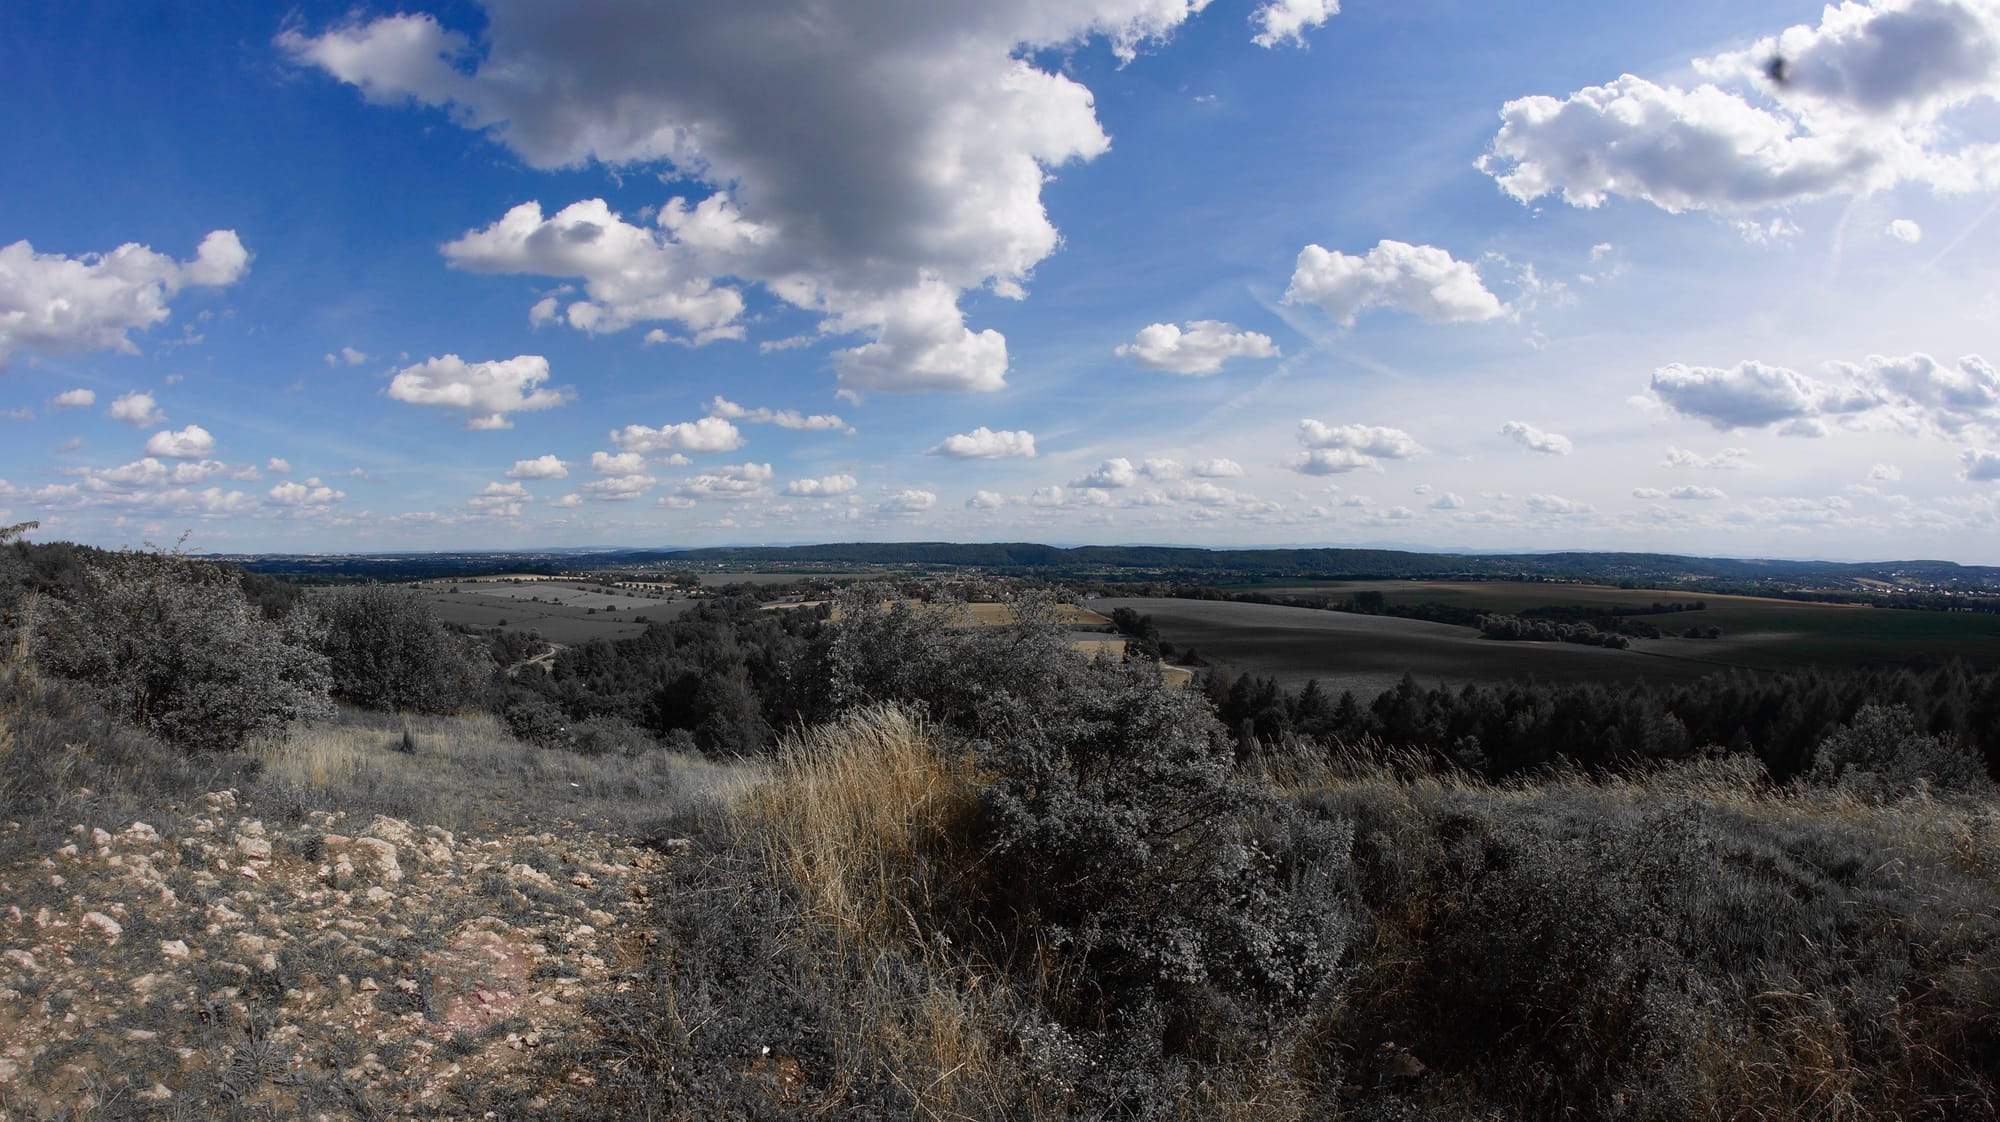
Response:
column 1701, row 277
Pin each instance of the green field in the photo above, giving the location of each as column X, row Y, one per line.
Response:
column 561, row 610
column 1364, row 653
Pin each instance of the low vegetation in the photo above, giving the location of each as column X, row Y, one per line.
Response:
column 863, row 864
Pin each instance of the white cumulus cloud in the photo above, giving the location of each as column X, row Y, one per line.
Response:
column 1693, row 493
column 735, row 481
column 54, row 303
column 73, row 399
column 1368, row 440
column 983, row 443
column 1215, row 469
column 869, row 162
column 710, row 434
column 1535, row 440
column 1849, row 106
column 1200, row 348
column 823, row 487
column 1286, row 21
column 1905, row 231
column 623, row 463
column 1557, row 505
column 310, row 493
column 137, row 409
column 541, row 467
column 1110, row 475
column 190, row 443
column 485, row 391
column 1422, row 280
column 908, row 502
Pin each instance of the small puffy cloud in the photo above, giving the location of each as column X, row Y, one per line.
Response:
column 910, row 502
column 617, row 488
column 1333, row 461
column 190, row 443
column 1885, row 473
column 310, row 493
column 1692, row 493
column 624, row 463
column 1215, row 469
column 486, row 391
column 500, row 500
column 983, row 443
column 1729, row 459
column 783, row 418
column 73, row 399
column 1557, row 505
column 1286, row 21
column 710, row 434
column 541, row 467
column 1535, row 440
column 1648, row 493
column 1110, row 475
column 1199, row 349
column 1162, row 468
column 567, row 501
column 1422, row 280
column 136, row 409
column 823, row 487
column 1905, row 231
column 488, row 422
column 986, row 500
column 54, row 303
column 347, row 355
column 736, row 481
column 1448, row 501
column 1368, row 440
column 1980, row 465
column 278, row 465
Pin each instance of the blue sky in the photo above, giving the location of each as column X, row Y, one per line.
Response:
column 1457, row 275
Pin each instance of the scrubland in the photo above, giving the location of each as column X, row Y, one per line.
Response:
column 990, row 879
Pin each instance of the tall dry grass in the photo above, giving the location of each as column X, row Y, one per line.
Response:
column 871, row 824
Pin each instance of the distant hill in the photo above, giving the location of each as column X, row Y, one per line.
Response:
column 1164, row 563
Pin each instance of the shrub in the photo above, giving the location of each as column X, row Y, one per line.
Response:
column 1883, row 753
column 172, row 645
column 387, row 650
column 1199, row 911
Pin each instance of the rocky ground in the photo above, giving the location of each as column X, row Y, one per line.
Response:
column 221, row 965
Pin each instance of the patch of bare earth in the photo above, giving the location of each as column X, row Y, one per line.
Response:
column 331, row 969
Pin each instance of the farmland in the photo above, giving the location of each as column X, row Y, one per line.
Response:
column 1364, row 653
column 564, row 611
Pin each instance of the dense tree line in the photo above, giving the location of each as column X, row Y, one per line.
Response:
column 720, row 678
column 1515, row 729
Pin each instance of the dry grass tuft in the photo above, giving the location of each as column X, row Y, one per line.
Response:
column 864, row 815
